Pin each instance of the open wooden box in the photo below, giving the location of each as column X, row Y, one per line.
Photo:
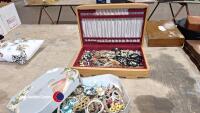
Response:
column 108, row 26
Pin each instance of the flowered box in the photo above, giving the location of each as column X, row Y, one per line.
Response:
column 41, row 95
column 44, row 94
column 112, row 39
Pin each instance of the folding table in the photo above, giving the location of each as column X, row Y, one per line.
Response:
column 68, row 3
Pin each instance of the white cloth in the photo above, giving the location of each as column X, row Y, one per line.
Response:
column 10, row 52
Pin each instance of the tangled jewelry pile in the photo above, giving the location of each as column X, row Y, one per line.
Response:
column 114, row 58
column 94, row 100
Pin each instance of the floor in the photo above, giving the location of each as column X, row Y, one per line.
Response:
column 173, row 85
column 29, row 15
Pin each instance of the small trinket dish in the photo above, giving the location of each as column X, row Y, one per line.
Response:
column 112, row 39
column 95, row 95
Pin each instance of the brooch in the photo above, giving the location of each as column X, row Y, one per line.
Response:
column 21, row 58
column 82, row 104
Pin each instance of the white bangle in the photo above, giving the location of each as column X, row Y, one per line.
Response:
column 115, row 95
column 95, row 101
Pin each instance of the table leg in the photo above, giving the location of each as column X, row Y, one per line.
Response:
column 187, row 9
column 73, row 10
column 59, row 14
column 49, row 16
column 170, row 5
column 178, row 11
column 40, row 15
column 153, row 10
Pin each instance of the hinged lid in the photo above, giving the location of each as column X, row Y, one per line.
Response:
column 38, row 96
column 112, row 23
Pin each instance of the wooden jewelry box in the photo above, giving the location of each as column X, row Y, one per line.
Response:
column 110, row 26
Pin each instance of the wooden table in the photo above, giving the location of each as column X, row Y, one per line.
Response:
column 158, row 38
column 59, row 3
column 171, row 88
column 67, row 3
column 183, row 3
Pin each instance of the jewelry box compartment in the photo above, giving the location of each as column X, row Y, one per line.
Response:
column 115, row 29
column 110, row 57
column 126, row 71
column 96, row 96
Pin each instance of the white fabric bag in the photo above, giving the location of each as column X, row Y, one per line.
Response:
column 19, row 51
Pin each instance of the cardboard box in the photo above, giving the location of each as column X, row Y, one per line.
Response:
column 193, row 23
column 168, row 38
column 9, row 18
column 108, row 26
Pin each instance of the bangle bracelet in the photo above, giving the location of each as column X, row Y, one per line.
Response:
column 115, row 95
column 98, row 102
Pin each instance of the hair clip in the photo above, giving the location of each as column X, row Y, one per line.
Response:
column 116, row 107
column 82, row 104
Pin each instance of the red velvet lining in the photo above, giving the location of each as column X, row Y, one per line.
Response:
column 136, row 10
column 87, row 11
column 109, row 47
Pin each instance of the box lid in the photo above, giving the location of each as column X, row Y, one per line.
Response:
column 38, row 96
column 112, row 23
